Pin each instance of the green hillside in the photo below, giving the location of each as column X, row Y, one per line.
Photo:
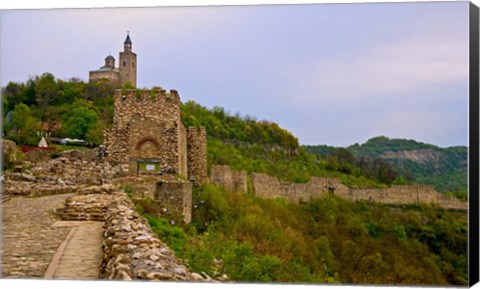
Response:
column 327, row 240
column 444, row 168
column 261, row 146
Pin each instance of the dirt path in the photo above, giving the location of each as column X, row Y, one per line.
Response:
column 29, row 240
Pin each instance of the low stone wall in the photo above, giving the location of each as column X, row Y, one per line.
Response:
column 33, row 189
column 142, row 185
column 235, row 181
column 131, row 249
column 89, row 204
column 84, row 155
column 77, row 170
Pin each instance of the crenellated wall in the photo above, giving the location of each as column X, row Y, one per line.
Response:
column 146, row 126
column 148, row 133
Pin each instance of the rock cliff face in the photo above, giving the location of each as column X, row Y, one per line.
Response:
column 422, row 156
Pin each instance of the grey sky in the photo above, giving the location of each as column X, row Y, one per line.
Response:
column 332, row 74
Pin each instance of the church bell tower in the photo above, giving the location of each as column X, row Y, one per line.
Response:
column 128, row 64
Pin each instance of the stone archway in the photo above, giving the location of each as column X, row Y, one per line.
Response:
column 147, row 139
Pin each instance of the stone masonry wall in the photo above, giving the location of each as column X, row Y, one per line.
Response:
column 111, row 75
column 75, row 170
column 403, row 195
column 182, row 151
column 235, row 181
column 146, row 126
column 176, row 199
column 270, row 187
column 131, row 250
column 197, row 154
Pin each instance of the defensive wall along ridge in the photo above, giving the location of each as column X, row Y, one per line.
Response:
column 267, row 186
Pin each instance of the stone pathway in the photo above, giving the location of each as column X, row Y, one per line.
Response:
column 29, row 240
column 36, row 244
column 80, row 254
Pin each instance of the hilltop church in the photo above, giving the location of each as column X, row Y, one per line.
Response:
column 126, row 73
column 147, row 135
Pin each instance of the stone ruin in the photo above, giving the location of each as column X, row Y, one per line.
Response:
column 147, row 143
column 271, row 187
column 131, row 250
column 148, row 136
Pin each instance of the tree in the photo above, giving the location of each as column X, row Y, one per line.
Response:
column 46, row 92
column 24, row 125
column 13, row 94
column 80, row 121
column 95, row 134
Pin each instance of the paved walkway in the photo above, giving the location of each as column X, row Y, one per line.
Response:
column 34, row 240
column 80, row 254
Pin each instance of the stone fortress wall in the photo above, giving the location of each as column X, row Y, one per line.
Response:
column 197, row 154
column 271, row 187
column 235, row 181
column 147, row 129
column 145, row 125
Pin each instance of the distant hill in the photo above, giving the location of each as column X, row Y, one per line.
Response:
column 444, row 168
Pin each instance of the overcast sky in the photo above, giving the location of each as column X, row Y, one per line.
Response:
column 334, row 74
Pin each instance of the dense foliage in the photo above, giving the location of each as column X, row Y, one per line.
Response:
column 261, row 146
column 327, row 240
column 378, row 145
column 45, row 104
column 221, row 125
